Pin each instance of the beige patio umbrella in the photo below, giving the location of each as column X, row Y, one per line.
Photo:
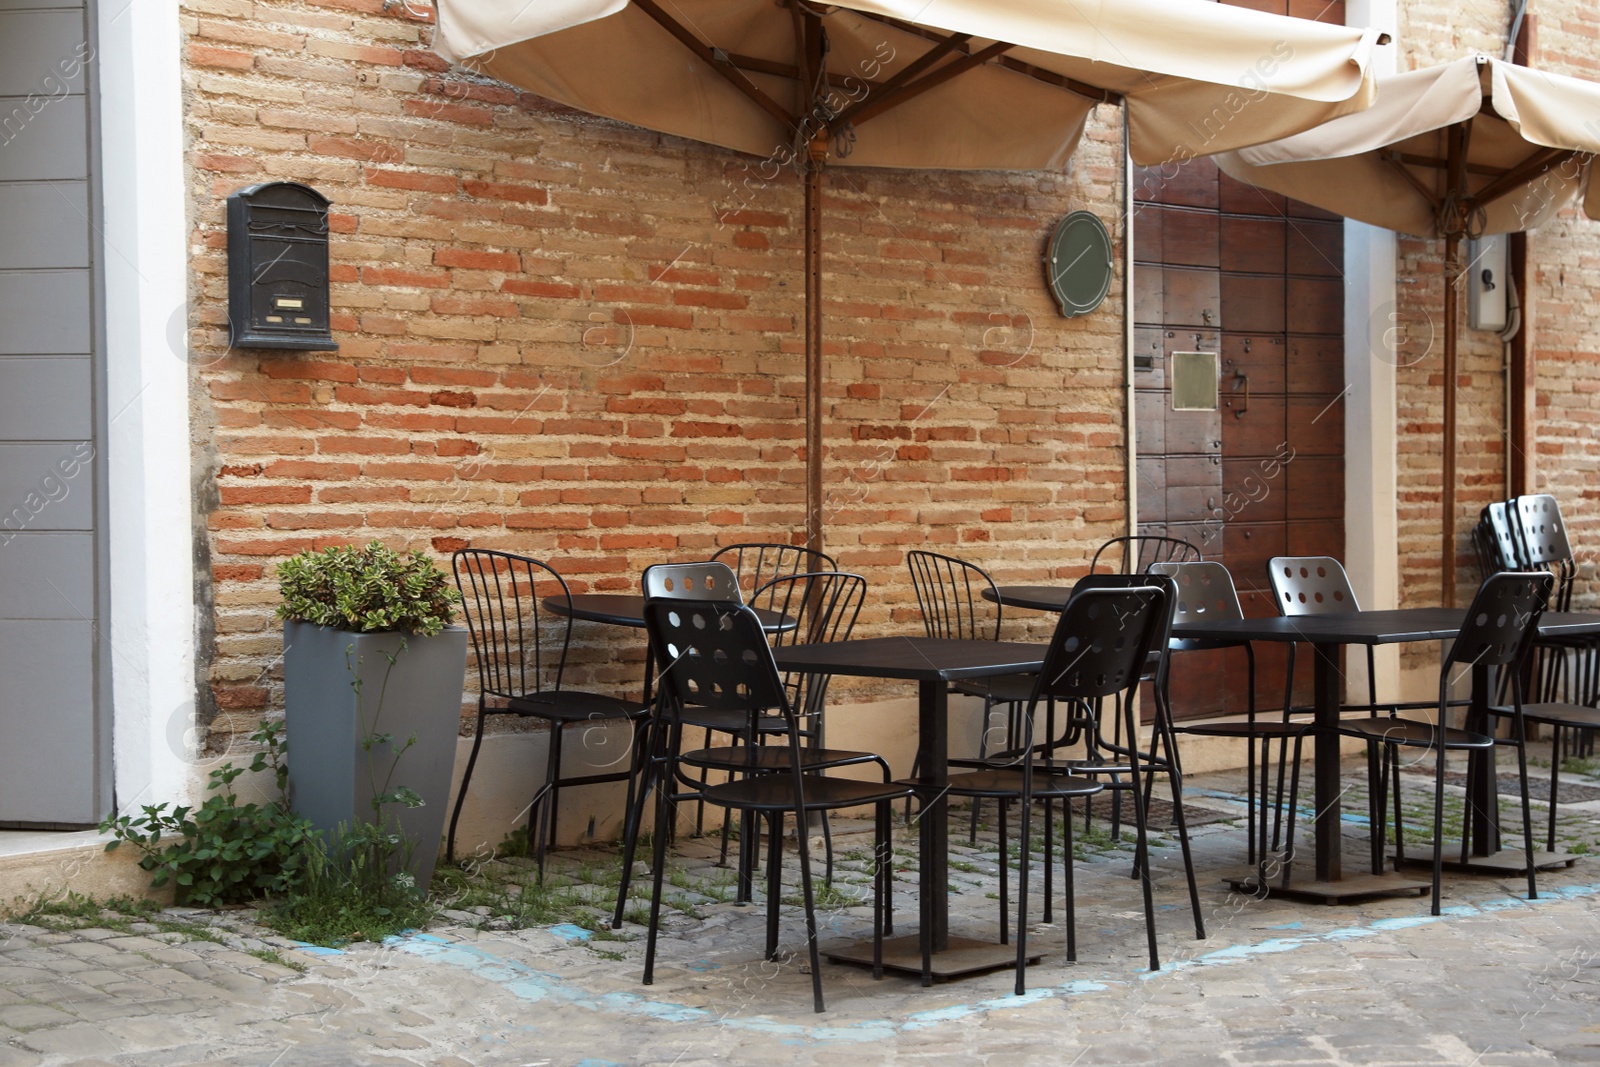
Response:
column 1478, row 146
column 967, row 84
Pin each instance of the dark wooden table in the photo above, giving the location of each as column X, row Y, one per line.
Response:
column 1327, row 634
column 933, row 663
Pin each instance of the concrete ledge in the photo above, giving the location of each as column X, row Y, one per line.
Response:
column 47, row 865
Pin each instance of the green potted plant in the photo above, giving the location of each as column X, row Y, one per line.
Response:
column 373, row 675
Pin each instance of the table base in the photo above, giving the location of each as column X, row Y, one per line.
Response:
column 1506, row 861
column 966, row 955
column 1350, row 888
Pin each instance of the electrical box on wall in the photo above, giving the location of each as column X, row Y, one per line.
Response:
column 278, row 268
column 1486, row 283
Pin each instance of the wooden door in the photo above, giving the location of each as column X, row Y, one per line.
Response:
column 1223, row 267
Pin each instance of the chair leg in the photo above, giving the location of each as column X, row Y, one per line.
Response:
column 1005, row 874
column 1067, row 858
column 1294, row 803
column 1049, row 853
column 1555, row 782
column 1176, row 781
column 1527, row 810
column 775, row 879
column 813, row 953
column 1375, row 803
column 1399, row 809
column 1438, row 820
column 1024, row 855
column 630, row 816
column 1142, row 839
column 461, row 797
column 664, row 813
column 549, row 810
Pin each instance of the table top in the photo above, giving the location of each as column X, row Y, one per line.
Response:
column 916, row 658
column 627, row 609
column 1389, row 627
column 1392, row 626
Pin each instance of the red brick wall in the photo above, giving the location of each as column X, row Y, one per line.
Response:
column 578, row 340
column 1566, row 252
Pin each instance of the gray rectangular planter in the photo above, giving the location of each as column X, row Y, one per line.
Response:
column 329, row 778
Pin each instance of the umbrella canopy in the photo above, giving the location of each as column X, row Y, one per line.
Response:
column 1478, row 146
column 957, row 84
column 1473, row 147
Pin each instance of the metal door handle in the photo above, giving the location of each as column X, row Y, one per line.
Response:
column 1240, row 376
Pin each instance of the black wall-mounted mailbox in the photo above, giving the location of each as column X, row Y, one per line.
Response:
column 278, row 268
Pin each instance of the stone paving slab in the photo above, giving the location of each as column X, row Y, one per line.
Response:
column 1497, row 979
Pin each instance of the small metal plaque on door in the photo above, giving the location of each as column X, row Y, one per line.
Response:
column 1194, row 381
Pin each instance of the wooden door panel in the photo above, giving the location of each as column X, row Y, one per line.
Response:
column 1147, row 293
column 1242, row 197
column 1253, row 429
column 1253, row 245
column 1190, row 184
column 1152, row 491
column 1316, row 365
column 1204, row 471
column 1254, row 490
column 1192, row 503
column 1246, row 548
column 1189, row 237
column 1149, row 245
column 1316, row 305
column 1149, row 341
column 1316, row 247
column 1259, row 356
column 1150, row 422
column 1297, row 210
column 1190, row 297
column 1254, row 303
column 1331, row 11
column 1316, row 425
column 1205, row 536
column 1193, row 432
column 1316, row 489
column 1312, row 538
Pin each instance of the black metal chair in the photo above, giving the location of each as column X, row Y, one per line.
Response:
column 1498, row 633
column 757, row 563
column 1563, row 669
column 823, row 607
column 1098, row 651
column 1137, row 553
column 1206, row 591
column 715, row 657
column 521, row 657
column 949, row 592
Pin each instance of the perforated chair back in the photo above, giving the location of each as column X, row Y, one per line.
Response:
column 518, row 649
column 1310, row 585
column 1501, row 622
column 1102, row 641
column 756, row 564
column 824, row 606
column 1157, row 659
column 1137, row 553
column 1507, row 550
column 1205, row 591
column 692, row 581
column 713, row 655
column 1542, row 536
column 949, row 591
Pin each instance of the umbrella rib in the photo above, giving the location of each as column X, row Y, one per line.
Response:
column 792, row 72
column 1048, row 77
column 1399, row 161
column 871, row 108
column 916, row 67
column 718, row 61
column 1516, row 176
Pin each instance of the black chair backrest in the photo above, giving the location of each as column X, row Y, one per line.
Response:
column 1502, row 620
column 519, row 651
column 1102, row 641
column 949, row 591
column 1205, row 591
column 1136, row 553
column 824, row 606
column 1311, row 585
column 713, row 654
column 1541, row 535
column 757, row 563
column 691, row 581
column 1497, row 517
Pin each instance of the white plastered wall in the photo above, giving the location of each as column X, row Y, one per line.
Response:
column 1372, row 555
column 151, row 562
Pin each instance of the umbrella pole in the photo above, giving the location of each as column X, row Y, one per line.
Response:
column 813, row 269
column 1447, row 593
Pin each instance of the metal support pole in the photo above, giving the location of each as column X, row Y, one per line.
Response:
column 1447, row 593
column 813, row 269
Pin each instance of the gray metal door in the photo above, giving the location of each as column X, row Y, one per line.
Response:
column 53, row 765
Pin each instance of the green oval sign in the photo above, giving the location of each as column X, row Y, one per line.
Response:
column 1077, row 263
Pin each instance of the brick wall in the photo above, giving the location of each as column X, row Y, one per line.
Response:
column 1567, row 254
column 581, row 341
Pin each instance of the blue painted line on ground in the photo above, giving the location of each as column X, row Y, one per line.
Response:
column 571, row 932
column 531, row 985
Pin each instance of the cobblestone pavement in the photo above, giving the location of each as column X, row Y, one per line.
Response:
column 1496, row 980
